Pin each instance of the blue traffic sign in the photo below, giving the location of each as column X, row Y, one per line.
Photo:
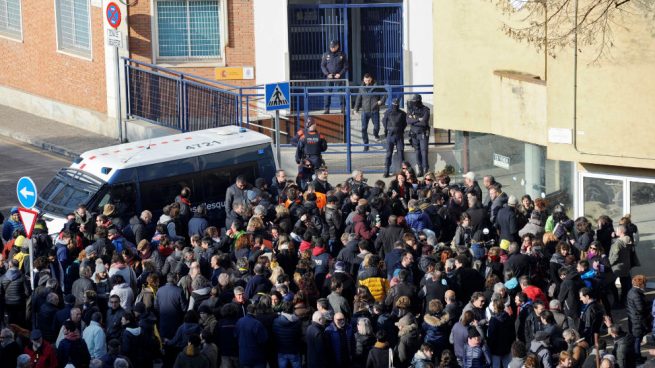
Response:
column 26, row 192
column 277, row 96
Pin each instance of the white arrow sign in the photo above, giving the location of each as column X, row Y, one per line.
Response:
column 26, row 193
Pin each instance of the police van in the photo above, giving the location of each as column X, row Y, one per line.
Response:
column 149, row 174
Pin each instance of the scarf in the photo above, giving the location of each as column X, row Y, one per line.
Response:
column 72, row 335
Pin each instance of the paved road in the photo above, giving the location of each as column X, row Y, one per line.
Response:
column 20, row 159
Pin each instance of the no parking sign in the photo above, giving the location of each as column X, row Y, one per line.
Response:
column 114, row 16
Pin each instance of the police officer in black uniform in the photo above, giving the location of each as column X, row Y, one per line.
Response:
column 310, row 147
column 394, row 122
column 418, row 118
column 334, row 65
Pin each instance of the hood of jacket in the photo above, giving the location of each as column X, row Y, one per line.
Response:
column 436, row 320
column 136, row 331
column 290, row 318
column 536, row 345
column 557, row 258
column 411, row 329
column 13, row 274
column 318, row 251
column 358, row 218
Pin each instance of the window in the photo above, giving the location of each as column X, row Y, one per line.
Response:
column 189, row 29
column 10, row 19
column 73, row 26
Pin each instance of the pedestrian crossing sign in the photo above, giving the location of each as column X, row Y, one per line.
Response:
column 277, row 96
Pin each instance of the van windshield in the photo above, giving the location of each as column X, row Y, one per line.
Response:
column 68, row 189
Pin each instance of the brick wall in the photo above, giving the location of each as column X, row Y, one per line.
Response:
column 34, row 66
column 240, row 50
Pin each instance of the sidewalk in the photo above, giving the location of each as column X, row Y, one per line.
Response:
column 48, row 134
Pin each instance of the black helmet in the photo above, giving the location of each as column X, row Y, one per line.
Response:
column 417, row 98
column 395, row 102
column 334, row 43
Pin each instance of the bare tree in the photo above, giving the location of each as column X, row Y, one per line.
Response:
column 550, row 24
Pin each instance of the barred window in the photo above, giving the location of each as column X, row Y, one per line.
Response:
column 188, row 29
column 10, row 19
column 74, row 26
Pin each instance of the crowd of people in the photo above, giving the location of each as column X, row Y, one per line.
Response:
column 411, row 273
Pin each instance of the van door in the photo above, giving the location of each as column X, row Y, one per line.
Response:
column 122, row 196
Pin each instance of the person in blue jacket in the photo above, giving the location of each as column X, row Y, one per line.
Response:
column 252, row 338
column 12, row 224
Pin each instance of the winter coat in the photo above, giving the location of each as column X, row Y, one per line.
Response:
column 568, row 294
column 408, row 344
column 387, row 237
column 637, row 308
column 334, row 221
column 14, row 288
column 533, row 227
column 235, row 195
column 417, row 220
column 623, row 351
column 136, row 346
column 317, row 349
column 224, row 337
column 258, row 284
column 45, row 321
column 378, row 357
column 197, row 226
column 543, row 355
column 339, row 304
column 335, row 353
column 252, row 337
column 370, row 98
column 591, row 321
column 363, row 343
column 476, row 357
column 191, row 358
column 361, row 228
column 435, row 331
column 171, row 306
column 500, row 334
column 507, row 225
column 95, row 339
column 47, row 355
column 181, row 338
column 125, row 293
column 371, row 278
column 287, row 334
column 619, row 256
column 459, row 339
column 73, row 350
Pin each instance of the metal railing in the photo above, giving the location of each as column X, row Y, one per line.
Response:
column 176, row 100
column 186, row 102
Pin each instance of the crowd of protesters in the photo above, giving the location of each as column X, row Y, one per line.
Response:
column 420, row 273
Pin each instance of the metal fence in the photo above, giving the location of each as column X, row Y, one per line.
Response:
column 176, row 100
column 185, row 102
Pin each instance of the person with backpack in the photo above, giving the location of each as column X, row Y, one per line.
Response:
column 540, row 348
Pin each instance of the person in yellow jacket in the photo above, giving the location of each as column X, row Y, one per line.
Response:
column 372, row 277
column 24, row 253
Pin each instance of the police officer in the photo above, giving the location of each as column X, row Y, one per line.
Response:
column 310, row 146
column 418, row 118
column 394, row 122
column 334, row 65
column 369, row 100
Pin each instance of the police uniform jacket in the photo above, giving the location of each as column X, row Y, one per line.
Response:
column 334, row 63
column 311, row 144
column 419, row 119
column 395, row 122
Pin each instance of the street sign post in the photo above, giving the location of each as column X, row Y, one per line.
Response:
column 28, row 218
column 26, row 192
column 277, row 98
column 115, row 40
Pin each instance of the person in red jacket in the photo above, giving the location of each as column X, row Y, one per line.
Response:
column 360, row 224
column 533, row 292
column 41, row 352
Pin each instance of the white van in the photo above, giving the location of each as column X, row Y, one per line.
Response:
column 149, row 174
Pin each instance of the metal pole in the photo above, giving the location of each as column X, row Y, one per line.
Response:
column 277, row 137
column 31, row 262
column 118, row 95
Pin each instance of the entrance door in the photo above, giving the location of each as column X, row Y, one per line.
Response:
column 616, row 196
column 381, row 43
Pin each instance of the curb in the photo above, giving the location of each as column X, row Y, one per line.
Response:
column 40, row 144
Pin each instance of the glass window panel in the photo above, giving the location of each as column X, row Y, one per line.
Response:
column 10, row 18
column 73, row 30
column 602, row 196
column 642, row 211
column 188, row 29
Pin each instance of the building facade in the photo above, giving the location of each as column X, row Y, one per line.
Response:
column 582, row 136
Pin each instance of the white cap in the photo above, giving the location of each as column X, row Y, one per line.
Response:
column 469, row 175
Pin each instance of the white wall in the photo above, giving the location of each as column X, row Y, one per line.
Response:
column 110, row 61
column 418, row 44
column 271, row 41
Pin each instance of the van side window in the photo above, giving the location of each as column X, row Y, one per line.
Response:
column 122, row 196
column 216, row 181
column 155, row 194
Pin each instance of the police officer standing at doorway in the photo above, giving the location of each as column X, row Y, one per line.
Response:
column 310, row 147
column 334, row 65
column 418, row 118
column 369, row 100
column 395, row 122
